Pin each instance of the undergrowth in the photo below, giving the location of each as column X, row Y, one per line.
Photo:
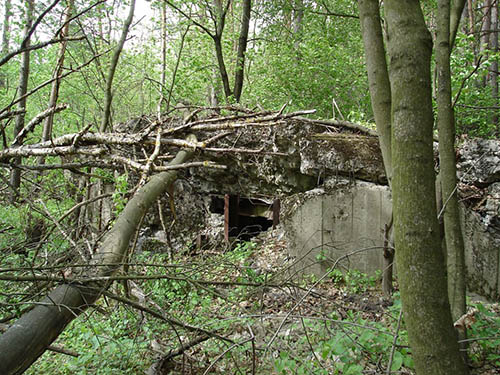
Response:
column 340, row 327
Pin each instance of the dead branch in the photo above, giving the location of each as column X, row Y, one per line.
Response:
column 38, row 328
column 342, row 124
column 35, row 121
column 11, row 114
column 165, row 361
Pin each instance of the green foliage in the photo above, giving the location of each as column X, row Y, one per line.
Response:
column 321, row 63
column 106, row 345
column 476, row 103
column 354, row 280
column 352, row 344
column 486, row 329
column 120, row 197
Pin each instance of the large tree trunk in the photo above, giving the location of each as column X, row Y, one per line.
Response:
column 242, row 47
column 419, row 259
column 28, row 338
column 106, row 118
column 15, row 175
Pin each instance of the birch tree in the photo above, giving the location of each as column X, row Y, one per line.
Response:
column 24, row 71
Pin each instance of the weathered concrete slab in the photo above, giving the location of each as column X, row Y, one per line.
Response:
column 324, row 225
column 481, row 230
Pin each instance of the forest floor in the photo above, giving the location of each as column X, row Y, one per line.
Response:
column 341, row 324
column 272, row 321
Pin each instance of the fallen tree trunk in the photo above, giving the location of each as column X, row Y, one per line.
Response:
column 29, row 337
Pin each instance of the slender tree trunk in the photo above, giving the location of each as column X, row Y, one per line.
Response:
column 176, row 68
column 484, row 37
column 380, row 93
column 298, row 16
column 220, row 23
column 6, row 27
column 54, row 92
column 456, row 11
column 163, row 77
column 446, row 125
column 242, row 47
column 419, row 259
column 5, row 36
column 106, row 118
column 15, row 176
column 222, row 66
column 378, row 77
column 494, row 63
column 28, row 338
column 470, row 17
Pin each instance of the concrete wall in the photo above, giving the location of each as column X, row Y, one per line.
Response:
column 323, row 226
column 481, row 231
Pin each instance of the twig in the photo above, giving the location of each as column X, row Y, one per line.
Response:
column 478, row 64
column 171, row 354
column 65, row 235
column 77, row 206
column 169, row 320
column 343, row 124
column 151, row 159
column 231, row 347
column 325, row 275
column 35, row 121
column 394, row 342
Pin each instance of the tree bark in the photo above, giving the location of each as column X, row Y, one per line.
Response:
column 28, row 338
column 15, row 175
column 446, row 125
column 242, row 47
column 106, row 118
column 471, row 18
column 419, row 259
column 380, row 94
column 222, row 66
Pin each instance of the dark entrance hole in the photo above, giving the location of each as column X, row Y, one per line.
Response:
column 245, row 217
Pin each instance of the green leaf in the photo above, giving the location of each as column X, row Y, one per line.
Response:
column 397, row 361
column 354, row 370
